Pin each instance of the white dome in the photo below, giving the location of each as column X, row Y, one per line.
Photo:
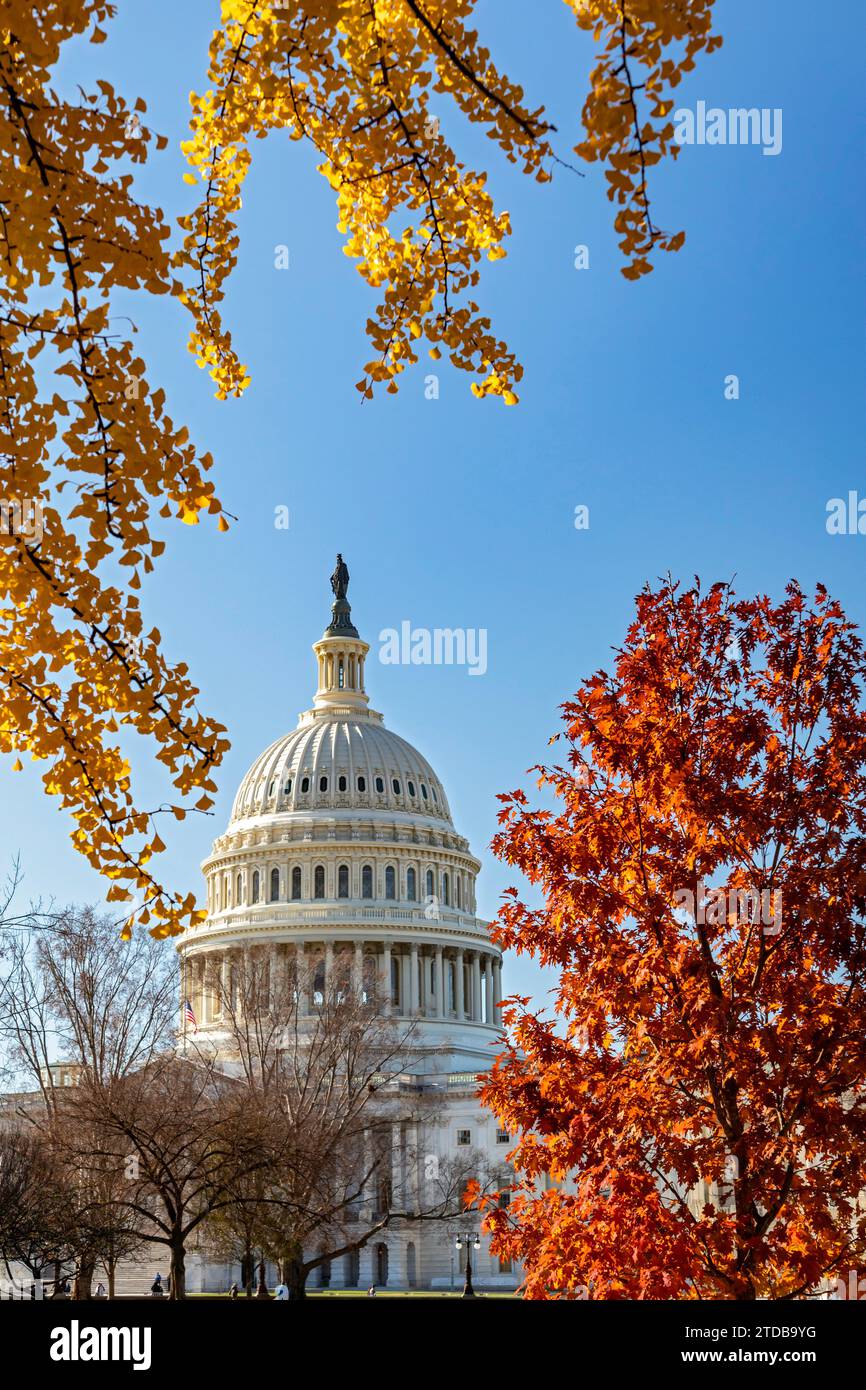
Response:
column 341, row 759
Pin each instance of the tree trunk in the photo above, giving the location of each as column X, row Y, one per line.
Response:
column 177, row 1270
column 111, row 1270
column 81, row 1289
column 247, row 1272
column 294, row 1276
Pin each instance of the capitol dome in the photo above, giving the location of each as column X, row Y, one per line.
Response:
column 340, row 855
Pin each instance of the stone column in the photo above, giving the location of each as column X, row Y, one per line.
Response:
column 358, row 969
column 476, row 985
column 440, row 985
column 488, row 987
column 366, row 1264
column 273, row 980
column 413, row 978
column 386, row 978
column 303, row 969
column 329, row 970
column 459, row 1001
column 405, row 983
column 396, row 1166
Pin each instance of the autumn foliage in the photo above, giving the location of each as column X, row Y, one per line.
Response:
column 87, row 445
column 692, row 1121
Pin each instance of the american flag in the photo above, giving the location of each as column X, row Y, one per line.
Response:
column 188, row 1015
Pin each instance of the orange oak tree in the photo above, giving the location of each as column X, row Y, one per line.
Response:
column 692, row 1122
column 88, row 453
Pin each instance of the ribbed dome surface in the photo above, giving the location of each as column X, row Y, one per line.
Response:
column 341, row 760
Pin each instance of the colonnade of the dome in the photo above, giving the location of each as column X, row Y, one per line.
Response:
column 407, row 979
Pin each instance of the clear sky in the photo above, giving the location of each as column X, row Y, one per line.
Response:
column 460, row 513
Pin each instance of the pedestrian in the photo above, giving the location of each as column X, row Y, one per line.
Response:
column 281, row 1293
column 233, row 1291
column 100, row 1290
column 371, row 1292
column 156, row 1286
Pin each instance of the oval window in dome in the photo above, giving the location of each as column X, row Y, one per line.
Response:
column 380, row 785
column 305, row 784
column 362, row 784
column 396, row 785
column 341, row 784
column 435, row 797
column 411, row 786
column 323, row 784
column 423, row 791
column 287, row 790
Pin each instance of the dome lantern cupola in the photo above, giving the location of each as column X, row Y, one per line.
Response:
column 341, row 652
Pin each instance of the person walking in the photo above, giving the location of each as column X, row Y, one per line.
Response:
column 281, row 1293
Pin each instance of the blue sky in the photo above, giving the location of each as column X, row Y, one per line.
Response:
column 460, row 513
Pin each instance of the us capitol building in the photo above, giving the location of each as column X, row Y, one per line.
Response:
column 341, row 853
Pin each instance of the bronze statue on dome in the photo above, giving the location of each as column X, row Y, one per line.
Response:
column 340, row 578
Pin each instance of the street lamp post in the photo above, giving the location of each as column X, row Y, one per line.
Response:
column 471, row 1244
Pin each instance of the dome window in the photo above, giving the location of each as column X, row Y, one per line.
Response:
column 411, row 786
column 305, row 785
column 410, row 885
column 341, row 784
column 287, row 790
column 390, row 882
column 366, row 882
column 296, row 884
column 380, row 785
column 319, row 882
column 459, row 890
column 446, row 896
column 256, row 886
column 423, row 791
column 343, row 881
column 275, row 885
column 362, row 784
column 396, row 785
column 430, row 888
column 435, row 797
column 323, row 784
column 240, row 891
column 270, row 790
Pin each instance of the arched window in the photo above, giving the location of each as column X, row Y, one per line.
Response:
column 343, row 881
column 323, row 784
column 390, row 882
column 341, row 784
column 296, row 884
column 239, row 891
column 410, row 885
column 430, row 889
column 319, row 882
column 366, row 882
column 445, row 891
column 255, row 886
column 275, row 885
column 380, row 785
column 305, row 784
column 362, row 784
column 411, row 786
column 396, row 785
